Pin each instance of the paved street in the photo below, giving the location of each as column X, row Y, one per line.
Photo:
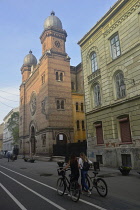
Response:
column 25, row 185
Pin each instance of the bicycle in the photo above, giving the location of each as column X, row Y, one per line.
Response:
column 64, row 184
column 98, row 183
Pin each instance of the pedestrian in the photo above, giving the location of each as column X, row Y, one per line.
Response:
column 8, row 155
column 74, row 166
column 84, row 166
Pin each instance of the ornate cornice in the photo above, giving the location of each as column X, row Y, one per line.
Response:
column 122, row 18
column 94, row 76
column 110, row 106
column 61, row 34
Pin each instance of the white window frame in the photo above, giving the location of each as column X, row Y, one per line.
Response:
column 94, row 65
column 115, row 46
column 120, row 85
column 97, row 95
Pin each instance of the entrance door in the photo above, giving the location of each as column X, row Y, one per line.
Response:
column 33, row 141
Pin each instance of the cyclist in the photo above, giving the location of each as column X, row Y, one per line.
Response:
column 83, row 159
column 74, row 166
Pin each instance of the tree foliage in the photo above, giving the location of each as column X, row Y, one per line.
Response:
column 13, row 127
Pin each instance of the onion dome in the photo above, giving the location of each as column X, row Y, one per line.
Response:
column 52, row 21
column 30, row 59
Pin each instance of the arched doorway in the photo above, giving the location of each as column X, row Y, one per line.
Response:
column 33, row 141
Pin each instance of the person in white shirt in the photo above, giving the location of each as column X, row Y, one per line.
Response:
column 83, row 159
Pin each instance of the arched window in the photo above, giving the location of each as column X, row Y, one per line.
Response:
column 120, row 85
column 94, row 65
column 57, row 77
column 78, row 124
column 97, row 95
column 58, row 104
column 62, row 104
column 61, row 76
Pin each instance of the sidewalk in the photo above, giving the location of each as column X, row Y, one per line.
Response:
column 43, row 164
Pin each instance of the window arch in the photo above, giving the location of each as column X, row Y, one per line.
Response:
column 120, row 85
column 97, row 95
column 94, row 65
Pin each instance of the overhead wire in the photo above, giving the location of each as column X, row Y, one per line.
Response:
column 9, row 93
column 6, row 105
column 8, row 99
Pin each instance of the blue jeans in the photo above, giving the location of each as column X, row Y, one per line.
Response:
column 83, row 175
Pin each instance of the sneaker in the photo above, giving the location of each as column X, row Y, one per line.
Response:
column 89, row 193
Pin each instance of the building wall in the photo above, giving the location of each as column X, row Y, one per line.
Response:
column 46, row 120
column 78, row 97
column 124, row 19
column 78, row 115
column 7, row 136
column 1, row 136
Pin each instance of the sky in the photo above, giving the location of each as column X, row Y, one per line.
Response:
column 21, row 24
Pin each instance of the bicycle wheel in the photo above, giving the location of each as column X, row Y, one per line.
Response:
column 75, row 191
column 61, row 186
column 101, row 187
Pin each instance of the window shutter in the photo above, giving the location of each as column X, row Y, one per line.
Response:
column 125, row 130
column 99, row 134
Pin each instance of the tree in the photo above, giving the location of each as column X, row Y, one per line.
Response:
column 13, row 127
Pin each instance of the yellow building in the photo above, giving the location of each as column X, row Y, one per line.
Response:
column 78, row 103
column 111, row 67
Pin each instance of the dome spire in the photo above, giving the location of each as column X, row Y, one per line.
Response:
column 30, row 51
column 52, row 13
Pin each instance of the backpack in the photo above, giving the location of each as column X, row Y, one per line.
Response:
column 86, row 166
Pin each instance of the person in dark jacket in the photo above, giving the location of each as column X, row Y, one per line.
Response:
column 74, row 166
column 8, row 156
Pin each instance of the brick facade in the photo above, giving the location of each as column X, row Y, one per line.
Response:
column 46, row 115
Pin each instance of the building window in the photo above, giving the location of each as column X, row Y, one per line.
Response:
column 43, row 79
column 82, row 107
column 120, row 86
column 57, row 77
column 43, row 139
column 60, row 104
column 61, row 76
column 97, row 96
column 115, row 46
column 125, row 131
column 72, row 86
column 83, row 125
column 99, row 133
column 78, row 125
column 77, row 108
column 94, row 66
column 126, row 160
